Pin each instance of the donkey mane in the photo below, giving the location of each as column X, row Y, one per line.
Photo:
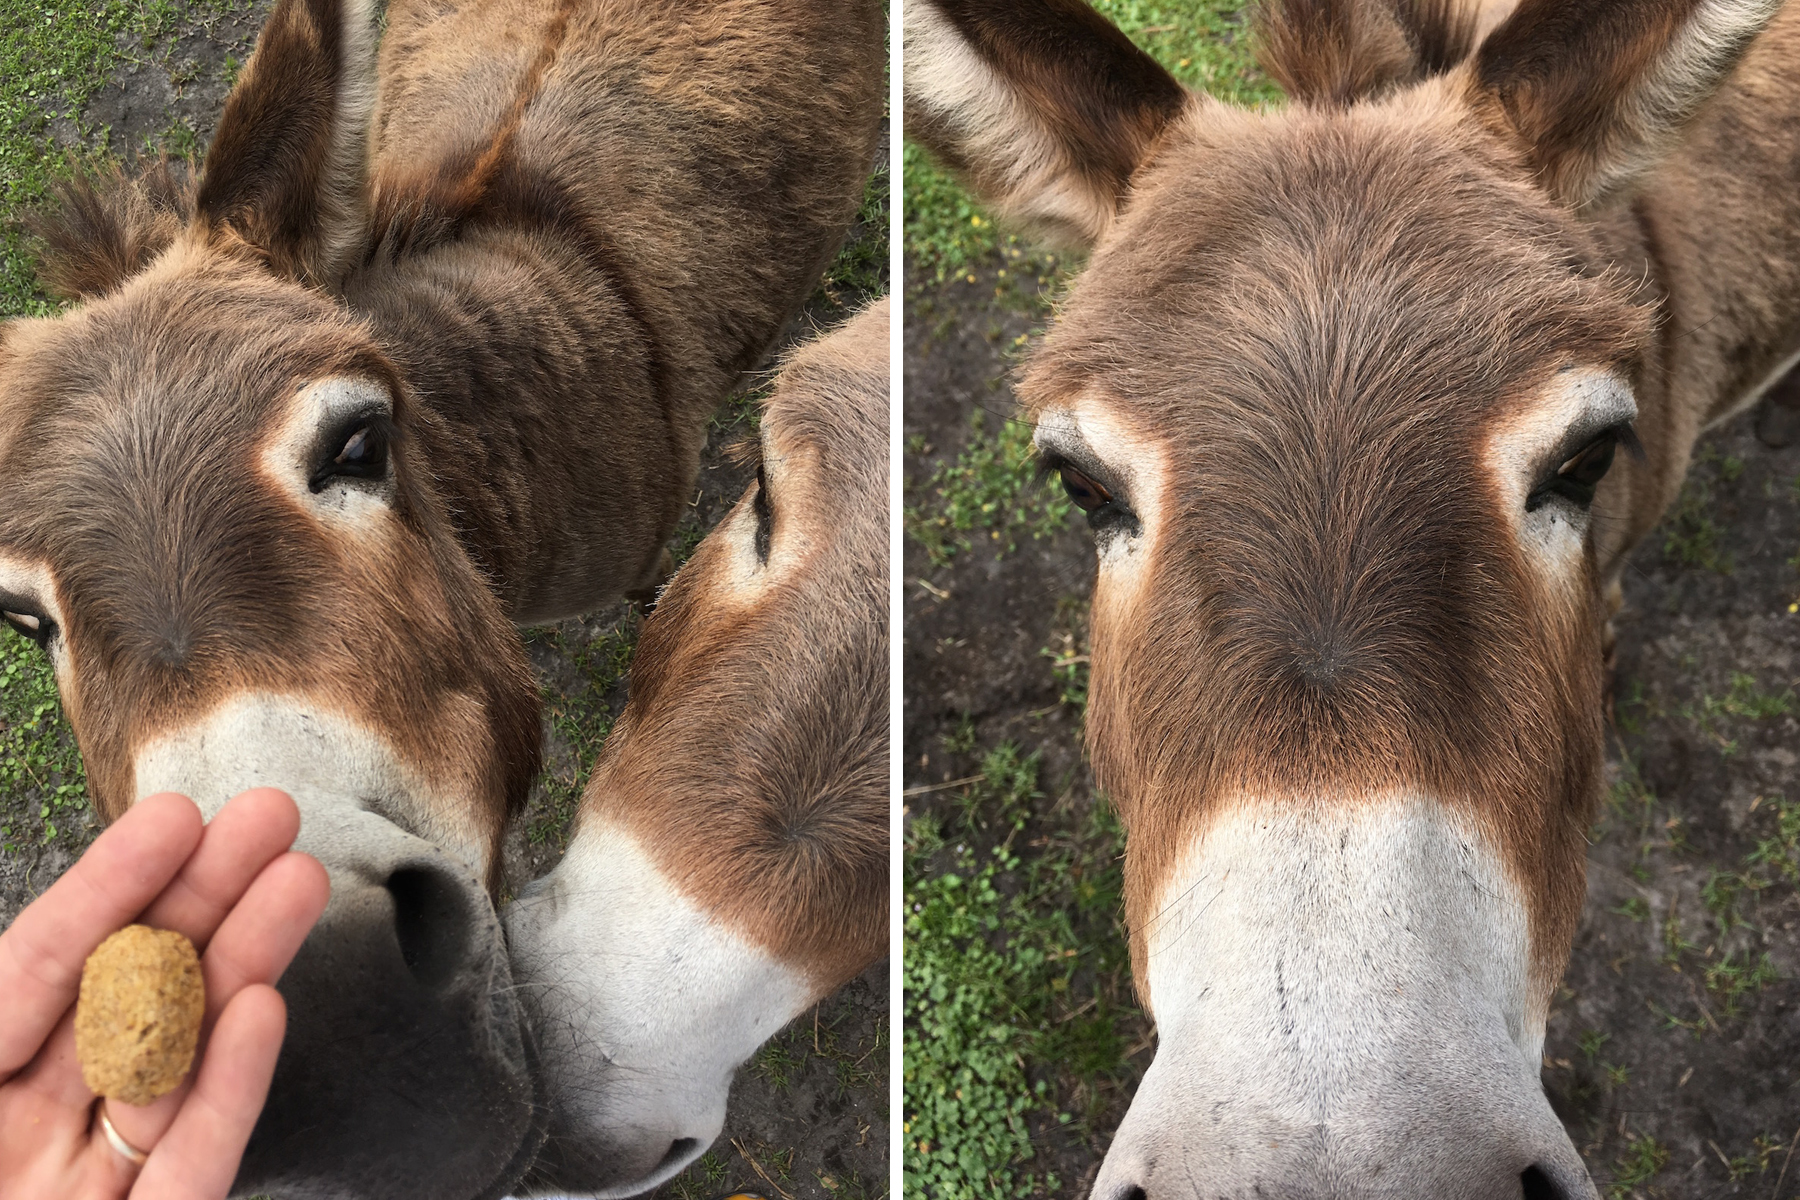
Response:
column 98, row 230
column 1336, row 52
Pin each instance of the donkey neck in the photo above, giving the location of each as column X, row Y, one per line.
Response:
column 544, row 411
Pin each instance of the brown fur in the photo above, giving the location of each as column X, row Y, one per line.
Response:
column 1336, row 52
column 1091, row 97
column 1315, row 318
column 1334, row 526
column 1582, row 88
column 1101, row 95
column 183, row 580
column 106, row 230
column 753, row 757
column 628, row 247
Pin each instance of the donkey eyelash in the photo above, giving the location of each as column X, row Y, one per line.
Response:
column 765, row 513
column 1054, row 462
column 1567, row 479
column 378, row 440
column 26, row 620
column 1112, row 513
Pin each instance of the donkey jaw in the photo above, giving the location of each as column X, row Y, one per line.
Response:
column 645, row 1006
column 1346, row 1006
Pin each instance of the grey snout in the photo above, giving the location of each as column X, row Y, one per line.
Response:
column 405, row 1069
column 1405, row 1132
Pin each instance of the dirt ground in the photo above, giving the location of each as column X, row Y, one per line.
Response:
column 1673, row 1054
column 808, row 1115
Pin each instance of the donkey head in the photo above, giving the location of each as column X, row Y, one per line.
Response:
column 1339, row 392
column 730, row 863
column 216, row 519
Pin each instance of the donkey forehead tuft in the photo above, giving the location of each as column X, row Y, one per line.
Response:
column 227, row 340
column 1300, row 240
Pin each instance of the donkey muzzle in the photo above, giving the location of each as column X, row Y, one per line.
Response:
column 405, row 1071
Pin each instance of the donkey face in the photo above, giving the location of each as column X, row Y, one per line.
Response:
column 730, row 863
column 1340, row 390
column 215, row 519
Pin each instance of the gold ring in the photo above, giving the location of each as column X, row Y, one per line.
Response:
column 130, row 1152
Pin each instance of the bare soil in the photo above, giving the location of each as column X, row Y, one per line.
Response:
column 1666, row 1092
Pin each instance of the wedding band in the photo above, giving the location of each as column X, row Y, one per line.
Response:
column 130, row 1152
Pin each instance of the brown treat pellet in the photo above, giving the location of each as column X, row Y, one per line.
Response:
column 137, row 1023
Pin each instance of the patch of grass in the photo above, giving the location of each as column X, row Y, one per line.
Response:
column 1763, row 1149
column 1068, row 653
column 1675, row 943
column 1690, row 535
column 1644, row 1156
column 582, row 715
column 859, row 273
column 700, row 1181
column 1776, row 859
column 1732, row 980
column 851, row 1187
column 1637, row 908
column 1070, row 667
column 1201, row 42
column 1740, row 972
column 1006, row 787
column 961, row 740
column 1745, row 699
column 778, row 1061
column 43, row 788
column 1000, row 950
column 992, row 488
column 1779, row 851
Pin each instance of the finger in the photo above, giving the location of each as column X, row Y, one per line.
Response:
column 198, row 1158
column 262, row 934
column 42, row 954
column 55, row 1074
column 253, row 945
column 240, row 840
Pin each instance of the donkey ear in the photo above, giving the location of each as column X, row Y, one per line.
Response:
column 287, row 170
column 1043, row 106
column 1594, row 91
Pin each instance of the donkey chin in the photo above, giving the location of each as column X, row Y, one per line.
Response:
column 641, row 1069
column 403, row 989
column 1339, row 991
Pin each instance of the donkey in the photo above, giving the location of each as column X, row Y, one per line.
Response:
column 1366, row 397
column 729, row 866
column 427, row 351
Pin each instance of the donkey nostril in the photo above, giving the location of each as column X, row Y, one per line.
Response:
column 430, row 922
column 1539, row 1186
column 679, row 1149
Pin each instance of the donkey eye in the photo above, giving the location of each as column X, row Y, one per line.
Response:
column 1578, row 476
column 765, row 514
column 361, row 454
column 1088, row 496
column 37, row 628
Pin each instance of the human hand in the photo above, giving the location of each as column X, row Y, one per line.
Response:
column 233, row 888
